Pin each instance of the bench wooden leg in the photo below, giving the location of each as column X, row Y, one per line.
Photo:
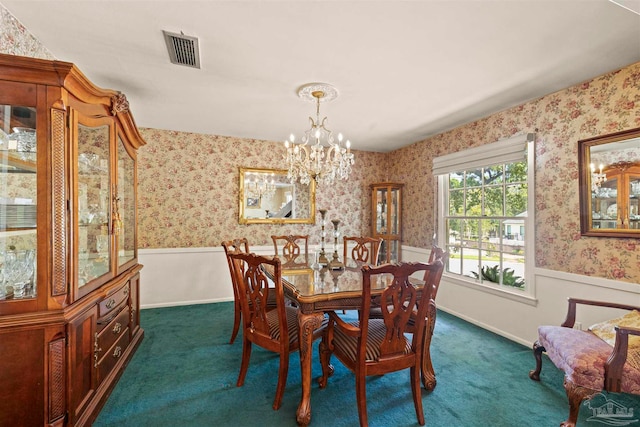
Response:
column 576, row 395
column 537, row 353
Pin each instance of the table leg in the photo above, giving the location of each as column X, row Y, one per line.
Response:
column 307, row 323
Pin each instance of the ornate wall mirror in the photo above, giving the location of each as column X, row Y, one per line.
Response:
column 266, row 196
column 609, row 169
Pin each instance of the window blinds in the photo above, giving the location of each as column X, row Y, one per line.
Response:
column 508, row 150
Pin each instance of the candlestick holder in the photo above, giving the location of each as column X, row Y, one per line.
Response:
column 335, row 263
column 323, row 256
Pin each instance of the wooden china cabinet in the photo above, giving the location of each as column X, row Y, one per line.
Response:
column 386, row 220
column 69, row 272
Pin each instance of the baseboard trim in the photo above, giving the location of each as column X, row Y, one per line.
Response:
column 181, row 303
column 484, row 326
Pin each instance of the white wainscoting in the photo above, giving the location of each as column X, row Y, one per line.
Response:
column 519, row 321
column 184, row 276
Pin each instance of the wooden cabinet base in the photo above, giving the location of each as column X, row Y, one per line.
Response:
column 54, row 371
column 109, row 382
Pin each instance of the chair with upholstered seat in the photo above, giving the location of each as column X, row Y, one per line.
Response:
column 428, row 372
column 291, row 245
column 607, row 357
column 275, row 330
column 379, row 346
column 361, row 249
column 231, row 247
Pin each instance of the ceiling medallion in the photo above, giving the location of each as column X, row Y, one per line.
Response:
column 329, row 92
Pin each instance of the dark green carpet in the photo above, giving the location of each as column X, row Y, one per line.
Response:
column 184, row 373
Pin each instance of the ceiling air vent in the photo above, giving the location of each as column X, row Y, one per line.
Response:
column 183, row 50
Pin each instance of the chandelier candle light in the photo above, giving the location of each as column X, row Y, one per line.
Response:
column 318, row 156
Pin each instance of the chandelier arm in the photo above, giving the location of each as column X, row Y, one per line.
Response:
column 304, row 149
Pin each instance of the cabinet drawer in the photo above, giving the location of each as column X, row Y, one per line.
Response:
column 112, row 355
column 113, row 301
column 112, row 330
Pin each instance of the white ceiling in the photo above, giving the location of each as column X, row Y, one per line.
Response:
column 404, row 70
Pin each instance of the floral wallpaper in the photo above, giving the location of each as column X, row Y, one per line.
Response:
column 188, row 182
column 15, row 39
column 188, row 191
column 606, row 104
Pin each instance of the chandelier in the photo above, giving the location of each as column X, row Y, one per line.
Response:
column 258, row 186
column 597, row 178
column 318, row 156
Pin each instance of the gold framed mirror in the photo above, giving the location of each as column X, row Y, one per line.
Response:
column 609, row 168
column 266, row 196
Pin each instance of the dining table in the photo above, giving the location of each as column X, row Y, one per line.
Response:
column 316, row 289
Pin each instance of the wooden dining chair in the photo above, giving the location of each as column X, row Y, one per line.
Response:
column 379, row 346
column 361, row 249
column 364, row 250
column 275, row 330
column 291, row 245
column 233, row 247
column 428, row 372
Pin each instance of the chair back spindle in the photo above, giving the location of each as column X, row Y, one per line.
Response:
column 291, row 245
column 361, row 249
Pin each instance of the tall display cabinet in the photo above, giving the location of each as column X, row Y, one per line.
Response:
column 386, row 221
column 69, row 272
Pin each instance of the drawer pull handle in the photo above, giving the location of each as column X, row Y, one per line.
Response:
column 96, row 351
column 126, row 291
column 117, row 328
column 110, row 304
column 117, row 352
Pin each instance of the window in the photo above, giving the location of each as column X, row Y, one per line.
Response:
column 485, row 214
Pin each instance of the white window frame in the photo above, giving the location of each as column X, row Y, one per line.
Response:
column 515, row 149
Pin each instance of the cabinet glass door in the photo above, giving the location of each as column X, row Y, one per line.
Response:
column 604, row 202
column 18, row 197
column 381, row 207
column 393, row 212
column 393, row 248
column 634, row 202
column 386, row 220
column 124, row 209
column 94, row 255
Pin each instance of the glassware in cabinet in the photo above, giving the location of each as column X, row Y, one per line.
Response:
column 18, row 202
column 94, row 194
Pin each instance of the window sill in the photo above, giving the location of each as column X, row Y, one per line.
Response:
column 521, row 297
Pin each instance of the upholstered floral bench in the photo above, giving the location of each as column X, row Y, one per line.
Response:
column 606, row 357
